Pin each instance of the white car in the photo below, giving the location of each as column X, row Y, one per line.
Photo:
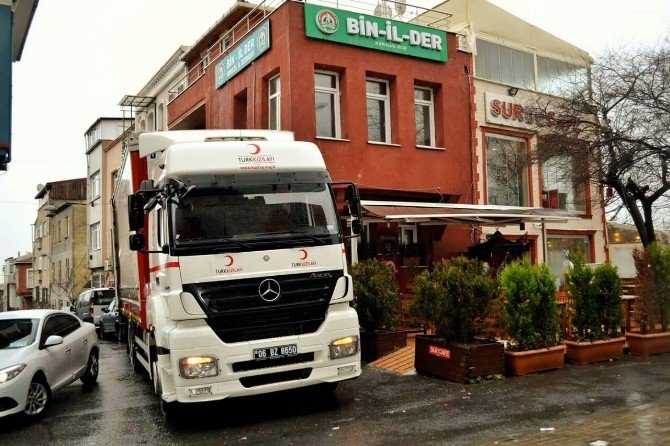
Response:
column 42, row 351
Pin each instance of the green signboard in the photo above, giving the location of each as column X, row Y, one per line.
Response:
column 244, row 53
column 375, row 33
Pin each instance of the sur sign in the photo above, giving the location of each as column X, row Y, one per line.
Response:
column 504, row 110
column 376, row 33
column 243, row 54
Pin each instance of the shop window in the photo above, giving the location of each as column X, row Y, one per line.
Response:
column 506, row 172
column 379, row 110
column 506, row 65
column 562, row 250
column 424, row 116
column 274, row 103
column 327, row 102
column 240, row 110
column 561, row 189
column 560, row 78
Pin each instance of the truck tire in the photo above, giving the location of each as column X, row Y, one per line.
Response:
column 137, row 367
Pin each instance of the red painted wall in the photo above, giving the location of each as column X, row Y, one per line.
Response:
column 402, row 166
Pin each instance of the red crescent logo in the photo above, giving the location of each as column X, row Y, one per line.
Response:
column 257, row 149
column 229, row 259
column 303, row 254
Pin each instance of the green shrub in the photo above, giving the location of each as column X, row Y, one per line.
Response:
column 455, row 298
column 596, row 299
column 376, row 296
column 660, row 266
column 530, row 305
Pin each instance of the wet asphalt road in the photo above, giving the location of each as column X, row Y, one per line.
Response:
column 378, row 408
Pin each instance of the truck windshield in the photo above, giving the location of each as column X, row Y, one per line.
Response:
column 245, row 214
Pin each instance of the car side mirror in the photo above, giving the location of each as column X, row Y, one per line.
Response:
column 136, row 242
column 72, row 308
column 53, row 340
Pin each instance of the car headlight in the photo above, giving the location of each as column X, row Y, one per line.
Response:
column 198, row 367
column 343, row 347
column 11, row 372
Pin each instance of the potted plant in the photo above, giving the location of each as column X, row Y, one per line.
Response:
column 531, row 318
column 377, row 303
column 597, row 317
column 455, row 298
column 652, row 305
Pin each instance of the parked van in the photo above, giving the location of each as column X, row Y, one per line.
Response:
column 90, row 303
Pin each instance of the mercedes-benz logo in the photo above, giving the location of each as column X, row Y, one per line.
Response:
column 269, row 290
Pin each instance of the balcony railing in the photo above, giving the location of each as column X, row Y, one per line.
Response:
column 395, row 10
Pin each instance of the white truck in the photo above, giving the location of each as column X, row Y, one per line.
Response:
column 231, row 270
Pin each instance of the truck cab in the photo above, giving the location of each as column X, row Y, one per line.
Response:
column 235, row 279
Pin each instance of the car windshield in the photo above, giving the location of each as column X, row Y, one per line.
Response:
column 17, row 333
column 103, row 297
column 243, row 214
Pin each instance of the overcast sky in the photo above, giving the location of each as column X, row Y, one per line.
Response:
column 82, row 56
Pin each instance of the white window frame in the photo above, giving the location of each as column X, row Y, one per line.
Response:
column 335, row 92
column 276, row 95
column 95, row 185
column 431, row 112
column 95, row 237
column 387, row 108
column 409, row 228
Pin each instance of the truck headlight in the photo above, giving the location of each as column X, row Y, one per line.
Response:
column 343, row 347
column 198, row 367
column 11, row 372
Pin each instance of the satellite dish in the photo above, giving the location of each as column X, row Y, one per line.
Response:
column 39, row 187
column 400, row 7
column 383, row 10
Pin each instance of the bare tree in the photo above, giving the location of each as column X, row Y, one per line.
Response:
column 617, row 126
column 72, row 281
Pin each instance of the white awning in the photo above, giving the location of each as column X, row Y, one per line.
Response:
column 448, row 213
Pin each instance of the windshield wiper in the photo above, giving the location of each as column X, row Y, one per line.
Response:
column 292, row 231
column 198, row 241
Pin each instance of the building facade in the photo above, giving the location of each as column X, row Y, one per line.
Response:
column 391, row 118
column 100, row 134
column 52, row 197
column 24, row 281
column 69, row 273
column 10, row 301
column 514, row 64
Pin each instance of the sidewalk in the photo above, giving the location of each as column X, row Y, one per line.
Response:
column 647, row 424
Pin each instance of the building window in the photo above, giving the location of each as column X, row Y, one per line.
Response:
column 506, row 65
column 160, row 117
column 560, row 78
column 424, row 116
column 30, row 279
column 506, row 172
column 95, row 236
column 560, row 188
column 327, row 102
column 67, row 227
column 151, row 122
column 274, row 103
column 95, row 185
column 68, row 273
column 562, row 250
column 60, row 232
column 379, row 110
column 60, row 272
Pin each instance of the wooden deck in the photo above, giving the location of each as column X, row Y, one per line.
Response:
column 400, row 361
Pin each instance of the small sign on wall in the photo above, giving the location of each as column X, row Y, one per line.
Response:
column 504, row 110
column 243, row 54
column 439, row 351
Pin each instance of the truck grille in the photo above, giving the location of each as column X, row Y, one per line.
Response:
column 237, row 313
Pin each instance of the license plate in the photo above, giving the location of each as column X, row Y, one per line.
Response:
column 281, row 351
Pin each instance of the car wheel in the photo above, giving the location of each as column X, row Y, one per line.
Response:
column 39, row 398
column 92, row 368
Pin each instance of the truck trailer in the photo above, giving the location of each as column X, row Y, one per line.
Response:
column 231, row 268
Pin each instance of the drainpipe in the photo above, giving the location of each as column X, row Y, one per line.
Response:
column 544, row 242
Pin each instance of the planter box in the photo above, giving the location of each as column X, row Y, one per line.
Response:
column 531, row 361
column 588, row 352
column 648, row 344
column 457, row 362
column 379, row 343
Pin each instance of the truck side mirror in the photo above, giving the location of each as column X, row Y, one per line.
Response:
column 135, row 212
column 354, row 201
column 356, row 227
column 136, row 242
